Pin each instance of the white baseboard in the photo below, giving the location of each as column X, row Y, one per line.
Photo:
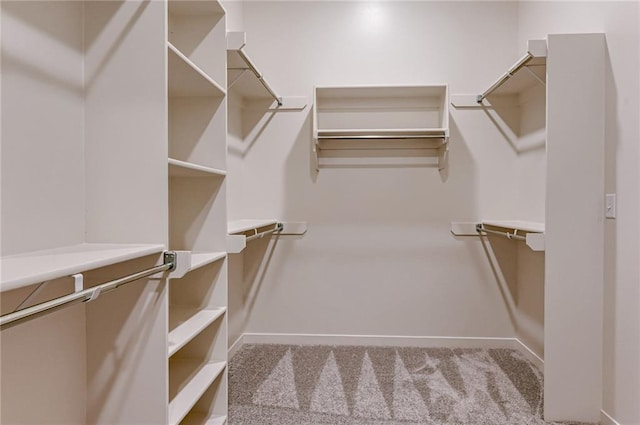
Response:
column 235, row 347
column 377, row 340
column 605, row 419
column 530, row 355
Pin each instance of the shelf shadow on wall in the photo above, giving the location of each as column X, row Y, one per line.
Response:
column 519, row 119
column 519, row 274
column 249, row 269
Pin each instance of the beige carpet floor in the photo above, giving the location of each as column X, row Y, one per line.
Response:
column 356, row 385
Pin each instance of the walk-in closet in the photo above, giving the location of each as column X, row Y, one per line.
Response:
column 364, row 212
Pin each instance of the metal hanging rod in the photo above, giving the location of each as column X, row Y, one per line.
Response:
column 515, row 68
column 255, row 71
column 278, row 228
column 86, row 295
column 481, row 229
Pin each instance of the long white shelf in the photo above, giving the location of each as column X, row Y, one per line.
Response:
column 198, row 418
column 185, row 323
column 39, row 266
column 245, row 225
column 187, row 387
column 187, row 79
column 384, row 132
column 179, row 168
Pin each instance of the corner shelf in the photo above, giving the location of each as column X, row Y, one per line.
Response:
column 187, row 79
column 38, row 266
column 189, row 380
column 380, row 124
column 179, row 168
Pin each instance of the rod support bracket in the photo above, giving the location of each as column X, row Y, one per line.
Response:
column 170, row 257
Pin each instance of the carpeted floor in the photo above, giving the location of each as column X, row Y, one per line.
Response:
column 305, row 385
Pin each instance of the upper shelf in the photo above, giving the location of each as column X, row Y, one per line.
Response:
column 530, row 70
column 527, row 72
column 381, row 112
column 186, row 79
column 39, row 266
column 245, row 79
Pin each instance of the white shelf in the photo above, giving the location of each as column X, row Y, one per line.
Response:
column 195, row 7
column 185, row 323
column 39, row 266
column 186, row 79
column 377, row 125
column 179, row 168
column 245, row 225
column 188, row 382
column 201, row 259
column 524, row 226
column 384, row 133
column 197, row 418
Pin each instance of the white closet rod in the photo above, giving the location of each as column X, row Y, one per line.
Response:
column 90, row 294
column 515, row 68
column 481, row 229
column 255, row 71
column 277, row 228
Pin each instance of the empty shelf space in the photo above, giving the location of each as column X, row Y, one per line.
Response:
column 188, row 380
column 186, row 79
column 39, row 266
column 198, row 418
column 179, row 168
column 246, row 225
column 195, row 7
column 185, row 323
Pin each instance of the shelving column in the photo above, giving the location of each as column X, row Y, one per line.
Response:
column 197, row 339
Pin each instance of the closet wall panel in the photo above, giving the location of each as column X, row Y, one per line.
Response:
column 378, row 258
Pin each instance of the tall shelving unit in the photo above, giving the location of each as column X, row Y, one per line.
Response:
column 197, row 333
column 83, row 191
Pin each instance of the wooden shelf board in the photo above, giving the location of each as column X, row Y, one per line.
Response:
column 187, row 79
column 201, row 259
column 198, row 418
column 240, row 226
column 193, row 381
column 179, row 168
column 397, row 91
column 185, row 323
column 525, row 226
column 39, row 266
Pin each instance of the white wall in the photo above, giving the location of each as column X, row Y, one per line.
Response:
column 378, row 258
column 619, row 20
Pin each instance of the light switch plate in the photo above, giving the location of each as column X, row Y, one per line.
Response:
column 610, row 205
